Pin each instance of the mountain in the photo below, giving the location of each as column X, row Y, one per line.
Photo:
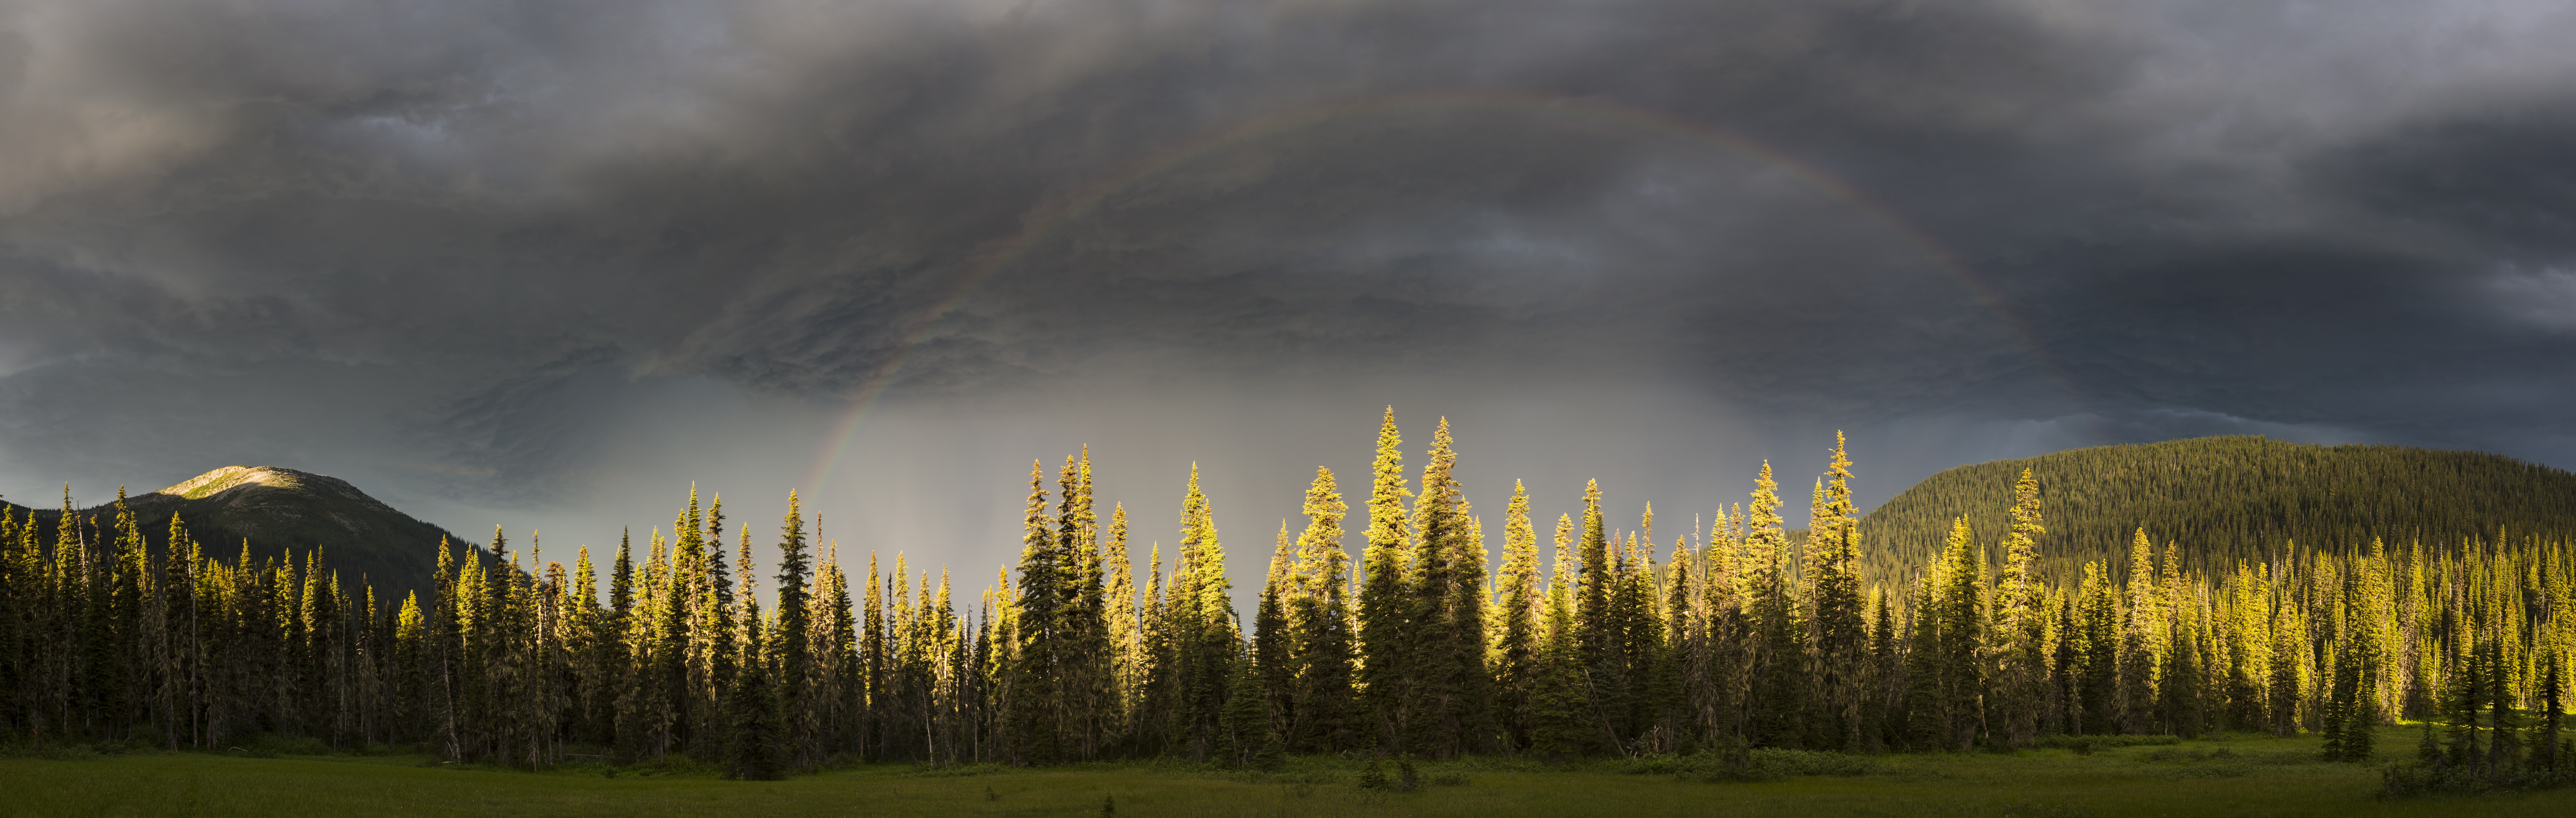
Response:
column 2224, row 499
column 278, row 509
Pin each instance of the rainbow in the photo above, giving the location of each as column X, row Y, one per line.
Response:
column 1051, row 219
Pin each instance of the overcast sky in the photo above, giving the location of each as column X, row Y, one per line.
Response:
column 543, row 264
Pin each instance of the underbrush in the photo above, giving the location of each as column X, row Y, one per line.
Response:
column 75, row 751
column 257, row 745
column 2085, row 745
column 954, row 770
column 2435, row 778
column 271, row 745
column 1758, row 764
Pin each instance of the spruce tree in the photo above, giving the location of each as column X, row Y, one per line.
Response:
column 874, row 659
column 2097, row 639
column 1201, row 617
column 753, row 705
column 1948, row 631
column 1385, row 632
column 1085, row 652
column 2347, row 724
column 1517, row 671
column 1594, row 623
column 2179, row 691
column 1248, row 738
column 1125, row 636
column 2552, row 694
column 1036, row 699
column 1723, row 699
column 1326, row 720
column 721, row 651
column 836, row 626
column 1779, row 644
column 1561, row 723
column 1666, row 688
column 1273, row 646
column 1450, row 686
column 791, row 655
column 2021, row 620
column 1841, row 655
column 2139, row 657
column 1882, row 713
column 1152, row 730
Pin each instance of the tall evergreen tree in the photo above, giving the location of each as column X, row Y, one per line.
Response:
column 1325, row 718
column 1561, row 723
column 1125, row 634
column 791, row 658
column 1450, row 686
column 874, row 738
column 2021, row 621
column 1883, row 715
column 1779, row 644
column 1840, row 635
column 2552, row 695
column 1385, row 632
column 1946, row 666
column 2140, row 658
column 1036, row 700
column 1273, row 646
column 2096, row 641
column 1085, row 653
column 1248, row 738
column 1523, row 608
column 1200, row 616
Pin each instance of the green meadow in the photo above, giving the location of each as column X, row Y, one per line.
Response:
column 2236, row 775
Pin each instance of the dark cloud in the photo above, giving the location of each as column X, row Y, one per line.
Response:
column 485, row 252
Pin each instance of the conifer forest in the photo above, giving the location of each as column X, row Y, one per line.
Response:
column 1387, row 627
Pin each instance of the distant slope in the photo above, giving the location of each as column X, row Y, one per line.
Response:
column 2225, row 499
column 277, row 509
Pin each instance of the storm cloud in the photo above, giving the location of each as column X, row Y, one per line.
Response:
column 528, row 260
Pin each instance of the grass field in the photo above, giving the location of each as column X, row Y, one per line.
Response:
column 2240, row 775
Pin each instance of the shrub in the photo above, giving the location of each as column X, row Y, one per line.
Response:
column 2083, row 744
column 1808, row 762
column 1371, row 777
column 271, row 745
column 1759, row 764
column 2438, row 777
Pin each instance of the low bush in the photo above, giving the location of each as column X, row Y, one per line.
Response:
column 2087, row 744
column 2220, row 754
column 2438, row 777
column 1806, row 762
column 956, row 770
column 63, row 752
column 1758, row 764
column 271, row 745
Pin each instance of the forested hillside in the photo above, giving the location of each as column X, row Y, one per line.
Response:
column 278, row 510
column 2226, row 499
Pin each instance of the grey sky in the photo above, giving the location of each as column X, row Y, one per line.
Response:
column 543, row 264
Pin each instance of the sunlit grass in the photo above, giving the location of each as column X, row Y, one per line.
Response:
column 2241, row 775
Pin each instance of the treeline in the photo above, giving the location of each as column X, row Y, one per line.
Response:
column 2229, row 500
column 1739, row 636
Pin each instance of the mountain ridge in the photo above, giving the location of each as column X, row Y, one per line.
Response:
column 2225, row 499
column 273, row 510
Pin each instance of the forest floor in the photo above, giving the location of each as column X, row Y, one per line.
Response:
column 2232, row 775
